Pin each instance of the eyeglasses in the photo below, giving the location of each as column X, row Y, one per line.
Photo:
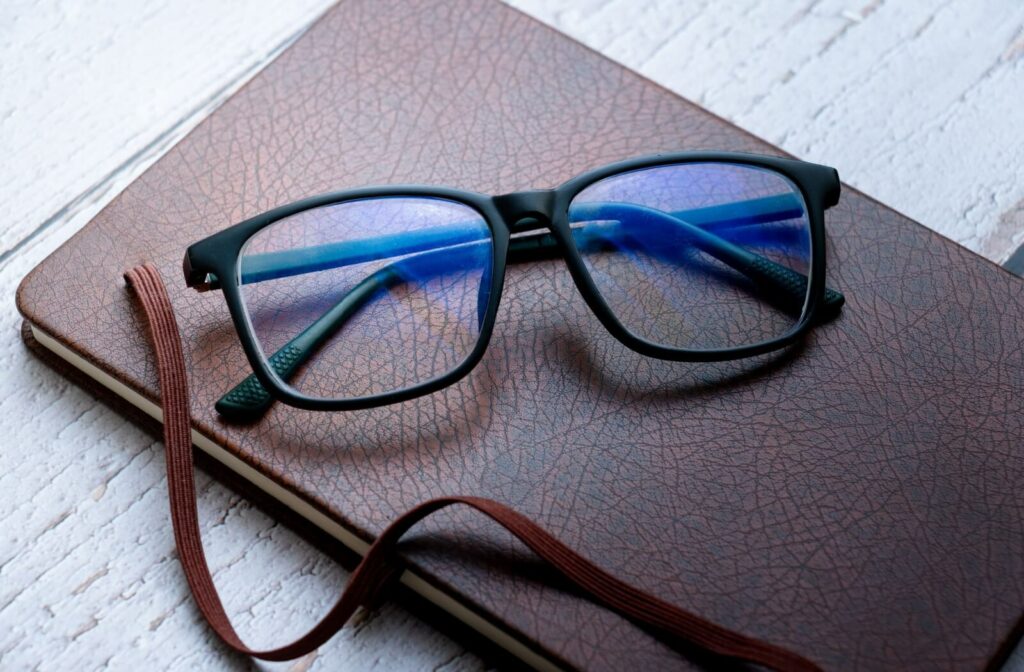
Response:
column 373, row 296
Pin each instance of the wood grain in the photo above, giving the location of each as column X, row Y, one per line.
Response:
column 916, row 103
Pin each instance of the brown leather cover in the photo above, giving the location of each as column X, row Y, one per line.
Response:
column 858, row 499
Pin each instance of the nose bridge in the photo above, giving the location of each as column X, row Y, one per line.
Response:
column 537, row 205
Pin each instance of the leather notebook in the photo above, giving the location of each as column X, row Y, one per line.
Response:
column 858, row 498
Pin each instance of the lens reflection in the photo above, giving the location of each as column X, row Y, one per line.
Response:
column 368, row 296
column 699, row 256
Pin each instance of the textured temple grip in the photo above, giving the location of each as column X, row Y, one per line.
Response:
column 789, row 288
column 249, row 398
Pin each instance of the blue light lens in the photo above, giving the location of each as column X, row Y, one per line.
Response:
column 688, row 255
column 368, row 296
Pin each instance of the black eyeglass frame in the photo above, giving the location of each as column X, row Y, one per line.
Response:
column 217, row 258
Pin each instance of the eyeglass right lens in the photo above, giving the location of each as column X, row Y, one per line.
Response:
column 698, row 256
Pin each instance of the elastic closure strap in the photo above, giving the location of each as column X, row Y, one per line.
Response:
column 380, row 567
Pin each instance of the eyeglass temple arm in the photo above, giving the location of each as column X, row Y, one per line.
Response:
column 788, row 288
column 248, row 400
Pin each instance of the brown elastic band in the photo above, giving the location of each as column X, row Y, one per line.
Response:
column 381, row 564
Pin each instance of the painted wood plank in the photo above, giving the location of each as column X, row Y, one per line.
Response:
column 89, row 91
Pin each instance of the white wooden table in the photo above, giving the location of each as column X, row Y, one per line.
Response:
column 918, row 104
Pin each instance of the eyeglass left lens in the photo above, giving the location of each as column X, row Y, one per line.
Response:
column 368, row 296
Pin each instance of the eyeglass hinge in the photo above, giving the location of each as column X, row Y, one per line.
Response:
column 196, row 279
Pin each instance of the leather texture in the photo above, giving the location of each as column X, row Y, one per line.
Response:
column 380, row 568
column 856, row 499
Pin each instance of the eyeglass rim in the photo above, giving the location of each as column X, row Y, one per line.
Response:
column 218, row 256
